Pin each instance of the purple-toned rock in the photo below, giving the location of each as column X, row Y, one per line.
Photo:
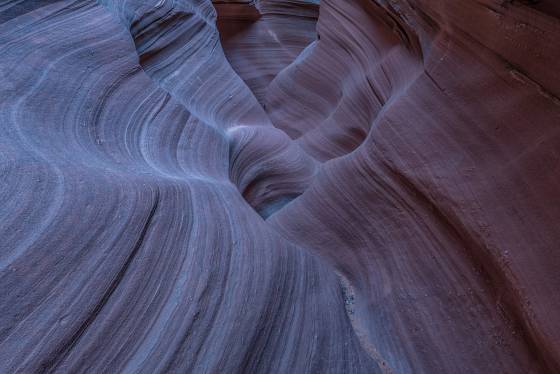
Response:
column 279, row 186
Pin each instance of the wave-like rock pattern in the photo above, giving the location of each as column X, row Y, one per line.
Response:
column 279, row 186
column 438, row 121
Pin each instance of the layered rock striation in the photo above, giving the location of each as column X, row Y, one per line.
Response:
column 279, row 186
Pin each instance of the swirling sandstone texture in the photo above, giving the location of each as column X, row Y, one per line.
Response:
column 279, row 186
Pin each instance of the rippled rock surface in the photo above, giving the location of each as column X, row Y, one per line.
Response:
column 279, row 186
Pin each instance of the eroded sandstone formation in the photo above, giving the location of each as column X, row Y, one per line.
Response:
column 279, row 186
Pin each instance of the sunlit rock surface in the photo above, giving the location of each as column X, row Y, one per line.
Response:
column 279, row 186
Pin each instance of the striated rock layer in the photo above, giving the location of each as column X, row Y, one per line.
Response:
column 279, row 186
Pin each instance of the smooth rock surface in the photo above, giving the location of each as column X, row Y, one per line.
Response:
column 279, row 186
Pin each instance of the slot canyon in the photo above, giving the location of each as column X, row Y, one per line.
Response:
column 280, row 186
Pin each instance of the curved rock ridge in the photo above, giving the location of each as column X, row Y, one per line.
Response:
column 279, row 186
column 125, row 246
column 262, row 38
column 177, row 45
column 436, row 124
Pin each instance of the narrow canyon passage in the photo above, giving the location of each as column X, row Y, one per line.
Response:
column 279, row 186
